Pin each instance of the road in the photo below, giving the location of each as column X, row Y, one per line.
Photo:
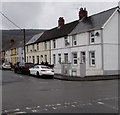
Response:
column 28, row 94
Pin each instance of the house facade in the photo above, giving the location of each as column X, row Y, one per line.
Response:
column 91, row 48
column 38, row 51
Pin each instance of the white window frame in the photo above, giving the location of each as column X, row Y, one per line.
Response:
column 83, row 56
column 59, row 58
column 37, row 46
column 92, row 58
column 45, row 58
column 92, row 37
column 66, row 57
column 38, row 59
column 74, row 40
column 75, row 58
column 45, row 43
column 54, row 43
column 54, row 59
column 66, row 40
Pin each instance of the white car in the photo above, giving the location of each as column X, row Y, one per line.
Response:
column 42, row 70
column 6, row 66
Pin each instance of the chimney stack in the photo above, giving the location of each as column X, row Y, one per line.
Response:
column 61, row 21
column 82, row 13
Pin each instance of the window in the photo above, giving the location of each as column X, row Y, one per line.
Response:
column 41, row 58
column 83, row 57
column 59, row 58
column 45, row 43
column 92, row 37
column 66, row 41
column 38, row 59
column 74, row 40
column 54, row 59
column 33, row 47
column 37, row 46
column 54, row 44
column 92, row 58
column 66, row 57
column 45, row 58
column 75, row 58
column 33, row 59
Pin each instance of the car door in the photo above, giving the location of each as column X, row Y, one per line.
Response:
column 35, row 69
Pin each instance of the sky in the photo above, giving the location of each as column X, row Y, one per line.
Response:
column 44, row 14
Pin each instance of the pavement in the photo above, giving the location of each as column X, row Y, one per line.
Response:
column 86, row 78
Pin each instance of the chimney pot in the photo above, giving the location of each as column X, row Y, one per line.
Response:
column 82, row 13
column 61, row 21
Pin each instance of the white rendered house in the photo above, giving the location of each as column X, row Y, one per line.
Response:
column 91, row 48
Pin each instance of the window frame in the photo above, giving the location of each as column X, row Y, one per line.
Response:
column 75, row 58
column 66, row 59
column 74, row 40
column 54, row 59
column 59, row 58
column 83, row 57
column 92, row 37
column 54, row 43
column 91, row 59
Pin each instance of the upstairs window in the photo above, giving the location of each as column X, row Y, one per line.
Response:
column 45, row 43
column 74, row 40
column 92, row 37
column 66, row 41
column 37, row 46
column 54, row 43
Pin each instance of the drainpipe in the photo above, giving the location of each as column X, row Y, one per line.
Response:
column 102, row 49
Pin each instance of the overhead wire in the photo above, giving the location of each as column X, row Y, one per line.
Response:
column 10, row 20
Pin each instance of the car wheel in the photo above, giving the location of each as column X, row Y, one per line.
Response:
column 37, row 74
column 29, row 72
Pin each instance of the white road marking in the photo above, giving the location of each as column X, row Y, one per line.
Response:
column 58, row 104
column 34, row 111
column 22, row 112
column 73, row 106
column 100, row 103
column 54, row 107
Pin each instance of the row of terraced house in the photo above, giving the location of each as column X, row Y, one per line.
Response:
column 84, row 47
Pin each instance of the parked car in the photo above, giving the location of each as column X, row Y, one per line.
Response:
column 23, row 67
column 6, row 66
column 42, row 70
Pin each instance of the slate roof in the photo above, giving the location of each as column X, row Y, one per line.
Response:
column 94, row 22
column 58, row 32
column 34, row 38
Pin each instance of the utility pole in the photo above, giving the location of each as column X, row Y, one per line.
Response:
column 24, row 46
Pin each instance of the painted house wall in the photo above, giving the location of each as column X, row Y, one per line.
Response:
column 13, row 56
column 110, row 40
column 8, row 56
column 42, row 51
column 82, row 45
column 20, row 54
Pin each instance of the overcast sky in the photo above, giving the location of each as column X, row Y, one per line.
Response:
column 44, row 15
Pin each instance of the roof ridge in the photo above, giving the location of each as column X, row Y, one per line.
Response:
column 104, row 11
